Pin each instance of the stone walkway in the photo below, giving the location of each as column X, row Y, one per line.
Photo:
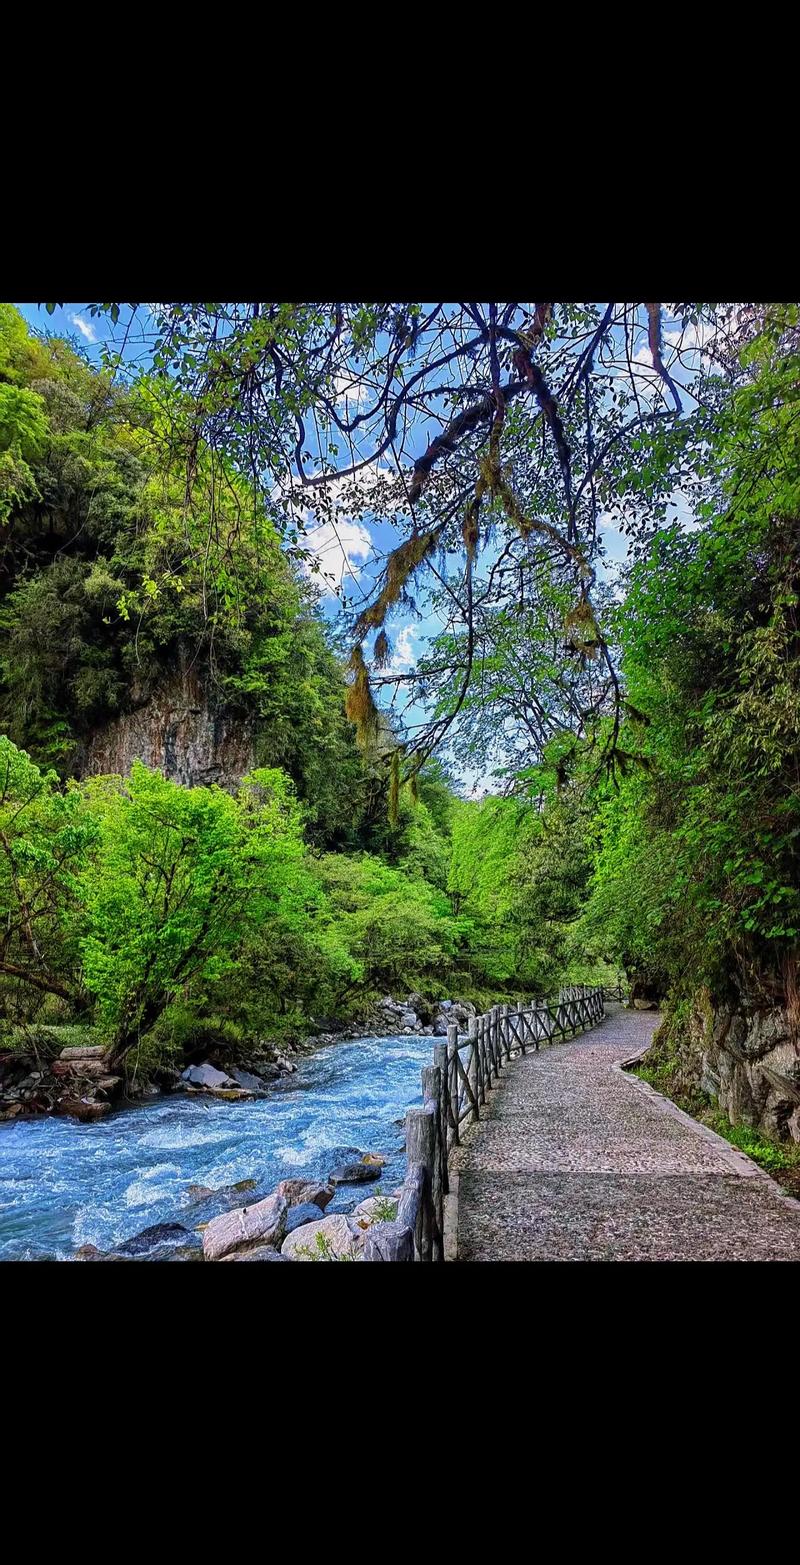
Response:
column 574, row 1160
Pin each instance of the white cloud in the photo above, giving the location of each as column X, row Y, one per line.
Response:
column 680, row 510
column 85, row 328
column 692, row 341
column 341, row 544
column 351, row 392
column 403, row 656
column 341, row 548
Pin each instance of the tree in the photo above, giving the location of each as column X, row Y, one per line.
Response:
column 180, row 877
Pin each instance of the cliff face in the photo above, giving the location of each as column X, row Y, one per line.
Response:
column 183, row 729
column 751, row 1064
column 746, row 1055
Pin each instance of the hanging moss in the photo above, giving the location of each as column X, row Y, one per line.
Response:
column 400, row 566
column 469, row 530
column 581, row 627
column 359, row 703
column 382, row 650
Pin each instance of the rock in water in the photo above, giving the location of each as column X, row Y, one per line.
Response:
column 206, row 1076
column 158, row 1242
column 298, row 1192
column 330, row 1238
column 354, row 1173
column 264, row 1223
column 336, row 1155
column 85, row 1111
column 306, row 1212
column 247, row 1080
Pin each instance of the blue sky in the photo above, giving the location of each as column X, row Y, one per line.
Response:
column 351, row 551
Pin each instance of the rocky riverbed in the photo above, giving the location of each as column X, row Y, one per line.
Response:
column 288, row 1224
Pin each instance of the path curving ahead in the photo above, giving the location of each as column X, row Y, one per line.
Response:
column 575, row 1160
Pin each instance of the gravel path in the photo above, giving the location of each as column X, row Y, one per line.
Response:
column 576, row 1161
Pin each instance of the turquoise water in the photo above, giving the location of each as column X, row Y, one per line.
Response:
column 63, row 1184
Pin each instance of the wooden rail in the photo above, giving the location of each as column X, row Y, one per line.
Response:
column 453, row 1092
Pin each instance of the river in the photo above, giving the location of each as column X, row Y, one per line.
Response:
column 63, row 1184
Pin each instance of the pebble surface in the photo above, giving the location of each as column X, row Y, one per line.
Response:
column 575, row 1160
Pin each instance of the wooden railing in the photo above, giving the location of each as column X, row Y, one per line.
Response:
column 616, row 991
column 454, row 1091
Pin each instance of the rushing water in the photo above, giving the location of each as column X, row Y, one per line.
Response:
column 63, row 1184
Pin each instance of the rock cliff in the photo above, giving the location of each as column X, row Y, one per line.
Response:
column 183, row 728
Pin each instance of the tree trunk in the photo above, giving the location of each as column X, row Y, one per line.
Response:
column 129, row 1033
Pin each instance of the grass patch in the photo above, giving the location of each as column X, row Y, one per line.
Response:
column 774, row 1156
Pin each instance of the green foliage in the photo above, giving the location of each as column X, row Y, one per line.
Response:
column 768, row 1154
column 384, row 1210
column 179, row 877
column 23, row 425
column 46, row 837
column 322, row 1250
column 398, row 931
column 697, row 880
column 333, row 876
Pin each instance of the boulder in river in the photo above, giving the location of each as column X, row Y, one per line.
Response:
column 334, row 1155
column 82, row 1109
column 306, row 1212
column 248, row 1080
column 159, row 1243
column 263, row 1223
column 199, row 1192
column 206, row 1076
column 224, row 1196
column 354, row 1173
column 332, row 1238
column 299, row 1192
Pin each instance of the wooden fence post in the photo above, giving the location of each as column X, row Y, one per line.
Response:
column 452, row 1077
column 440, row 1060
column 432, row 1095
column 421, row 1150
column 472, row 1032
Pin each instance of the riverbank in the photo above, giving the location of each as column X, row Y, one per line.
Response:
column 74, row 1078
